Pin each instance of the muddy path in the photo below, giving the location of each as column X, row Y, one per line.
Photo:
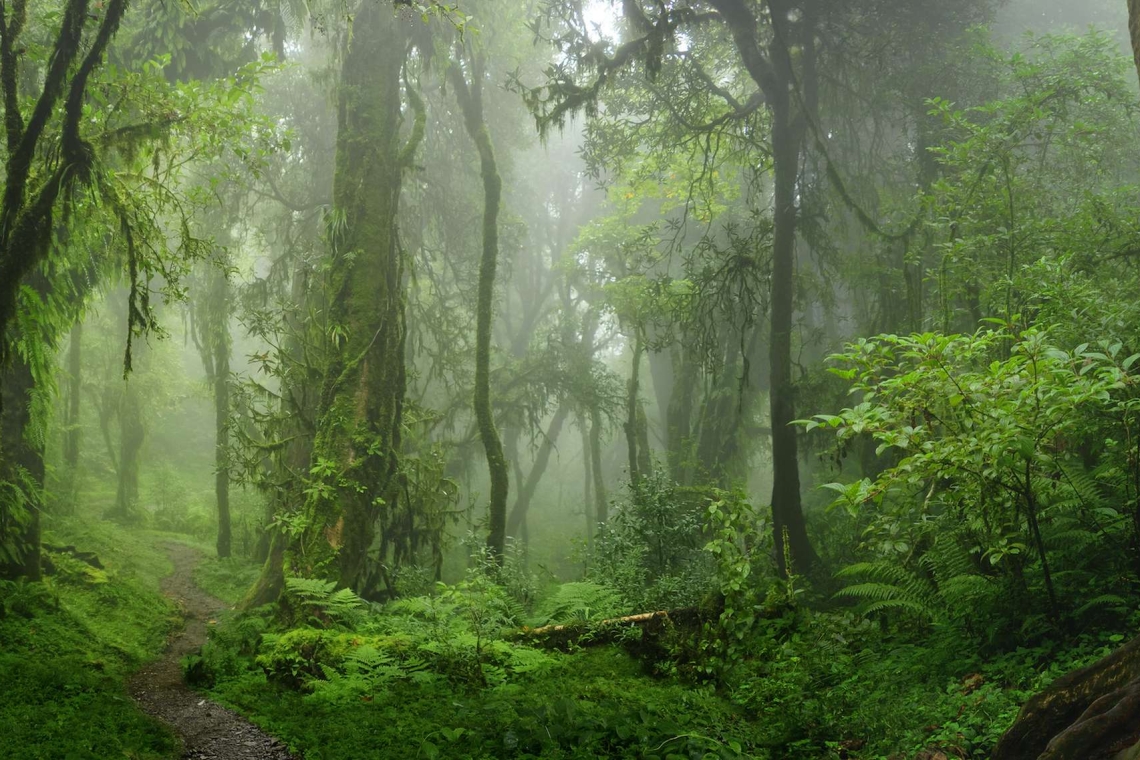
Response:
column 208, row 731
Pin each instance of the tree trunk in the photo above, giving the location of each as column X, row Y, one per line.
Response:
column 471, row 103
column 773, row 71
column 354, row 481
column 633, row 389
column 787, row 511
column 601, row 507
column 587, row 474
column 23, row 467
column 1134, row 30
column 541, row 460
column 132, row 433
column 221, row 434
column 212, row 338
column 679, row 418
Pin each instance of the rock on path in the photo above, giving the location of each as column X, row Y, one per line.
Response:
column 208, row 731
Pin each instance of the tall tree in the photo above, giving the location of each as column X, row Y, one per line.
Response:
column 1134, row 30
column 211, row 330
column 355, row 462
column 470, row 99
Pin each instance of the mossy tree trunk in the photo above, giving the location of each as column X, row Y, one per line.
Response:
column 470, row 98
column 212, row 338
column 354, row 478
column 22, row 467
column 35, row 179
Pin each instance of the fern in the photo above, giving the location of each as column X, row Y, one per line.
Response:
column 579, row 602
column 891, row 586
column 322, row 604
column 1110, row 602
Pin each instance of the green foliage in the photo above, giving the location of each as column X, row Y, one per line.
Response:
column 987, row 501
column 650, row 550
column 320, row 603
column 581, row 602
column 602, row 707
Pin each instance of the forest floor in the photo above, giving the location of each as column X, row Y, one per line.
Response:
column 208, row 731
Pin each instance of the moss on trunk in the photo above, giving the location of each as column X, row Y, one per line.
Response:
column 355, row 472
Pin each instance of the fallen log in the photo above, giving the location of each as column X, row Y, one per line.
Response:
column 593, row 633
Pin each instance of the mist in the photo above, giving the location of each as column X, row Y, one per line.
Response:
column 548, row 378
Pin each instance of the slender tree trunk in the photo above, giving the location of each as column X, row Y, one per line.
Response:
column 1134, row 30
column 787, row 510
column 471, row 103
column 588, row 474
column 601, row 506
column 541, row 461
column 221, row 438
column 132, row 433
column 633, row 389
column 641, row 430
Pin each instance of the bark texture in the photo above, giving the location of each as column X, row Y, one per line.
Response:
column 1088, row 714
column 355, row 465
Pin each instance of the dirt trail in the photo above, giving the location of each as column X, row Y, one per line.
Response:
column 208, row 731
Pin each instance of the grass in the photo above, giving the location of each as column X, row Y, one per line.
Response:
column 70, row 643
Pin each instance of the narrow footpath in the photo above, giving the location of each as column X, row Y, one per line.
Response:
column 208, row 731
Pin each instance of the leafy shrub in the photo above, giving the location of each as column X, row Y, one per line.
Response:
column 650, row 550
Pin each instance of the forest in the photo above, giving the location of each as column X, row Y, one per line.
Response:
column 664, row 379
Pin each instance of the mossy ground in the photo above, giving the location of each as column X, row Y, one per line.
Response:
column 70, row 643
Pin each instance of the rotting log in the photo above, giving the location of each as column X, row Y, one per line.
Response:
column 592, row 633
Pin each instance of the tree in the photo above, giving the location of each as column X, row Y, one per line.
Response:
column 470, row 98
column 211, row 332
column 355, row 473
